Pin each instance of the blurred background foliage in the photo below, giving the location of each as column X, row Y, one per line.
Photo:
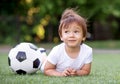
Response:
column 38, row 20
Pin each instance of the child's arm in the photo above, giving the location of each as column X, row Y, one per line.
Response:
column 50, row 70
column 85, row 70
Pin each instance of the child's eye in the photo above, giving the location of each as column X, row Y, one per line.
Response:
column 76, row 31
column 66, row 31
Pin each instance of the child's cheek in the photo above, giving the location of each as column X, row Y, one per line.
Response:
column 64, row 35
column 78, row 35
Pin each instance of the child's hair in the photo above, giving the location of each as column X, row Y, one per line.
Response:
column 69, row 16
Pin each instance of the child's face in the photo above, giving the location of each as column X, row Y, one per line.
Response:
column 73, row 35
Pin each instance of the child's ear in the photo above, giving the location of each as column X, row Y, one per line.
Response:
column 61, row 38
column 83, row 38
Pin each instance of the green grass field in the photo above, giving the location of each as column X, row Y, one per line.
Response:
column 105, row 70
column 109, row 44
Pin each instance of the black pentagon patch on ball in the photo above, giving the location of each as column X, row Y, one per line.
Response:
column 21, row 56
column 42, row 51
column 9, row 61
column 36, row 63
column 21, row 72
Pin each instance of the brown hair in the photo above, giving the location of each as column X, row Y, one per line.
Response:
column 69, row 16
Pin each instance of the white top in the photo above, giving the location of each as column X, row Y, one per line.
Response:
column 59, row 57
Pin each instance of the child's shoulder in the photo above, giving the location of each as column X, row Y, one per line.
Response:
column 86, row 47
column 59, row 47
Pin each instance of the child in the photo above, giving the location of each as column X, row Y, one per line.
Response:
column 72, row 57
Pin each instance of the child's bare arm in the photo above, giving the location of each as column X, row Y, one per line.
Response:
column 50, row 70
column 85, row 70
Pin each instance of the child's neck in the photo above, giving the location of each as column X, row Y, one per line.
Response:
column 72, row 52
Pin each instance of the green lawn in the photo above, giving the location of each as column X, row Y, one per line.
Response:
column 105, row 70
column 109, row 44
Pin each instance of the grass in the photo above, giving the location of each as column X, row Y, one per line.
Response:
column 105, row 70
column 109, row 44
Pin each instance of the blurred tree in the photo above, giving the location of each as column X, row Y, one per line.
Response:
column 19, row 13
column 103, row 14
column 27, row 18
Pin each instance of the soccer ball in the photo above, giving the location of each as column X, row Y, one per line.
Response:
column 25, row 58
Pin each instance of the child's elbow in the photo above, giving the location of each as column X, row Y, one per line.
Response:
column 87, row 72
column 46, row 72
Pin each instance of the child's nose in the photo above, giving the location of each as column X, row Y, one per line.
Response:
column 71, row 34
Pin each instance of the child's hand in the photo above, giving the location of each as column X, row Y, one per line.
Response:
column 73, row 72
column 69, row 72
